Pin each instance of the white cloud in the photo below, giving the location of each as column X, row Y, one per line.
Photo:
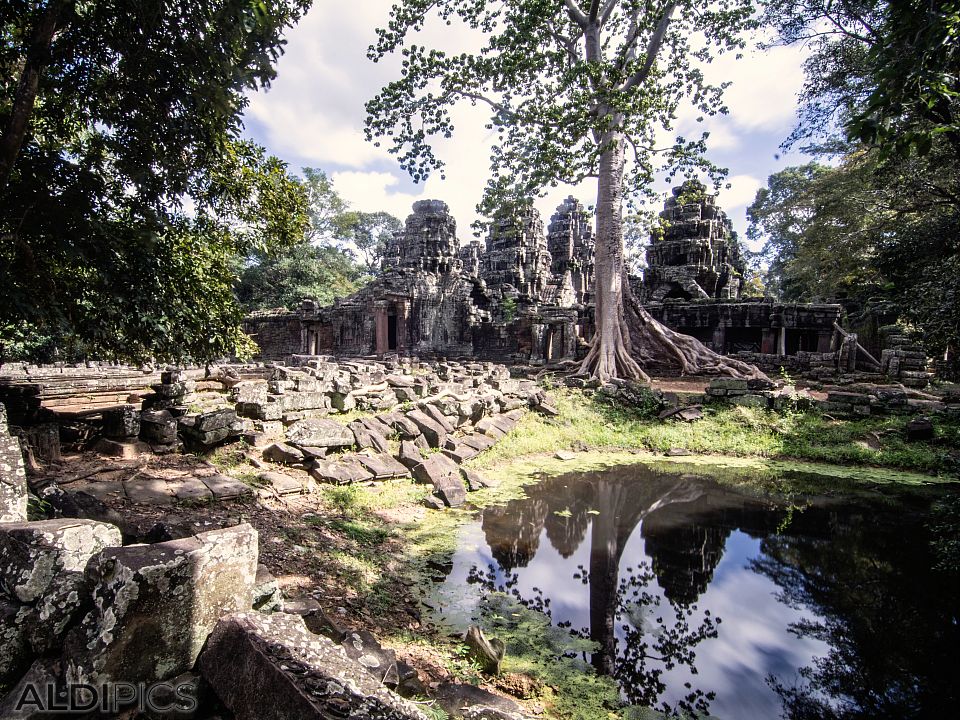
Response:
column 764, row 86
column 314, row 114
column 742, row 190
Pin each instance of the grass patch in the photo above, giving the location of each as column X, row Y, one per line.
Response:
column 586, row 422
column 362, row 532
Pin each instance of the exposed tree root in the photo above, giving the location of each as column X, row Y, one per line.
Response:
column 643, row 342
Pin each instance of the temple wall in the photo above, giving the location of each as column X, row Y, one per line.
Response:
column 278, row 334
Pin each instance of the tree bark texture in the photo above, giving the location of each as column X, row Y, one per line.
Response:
column 37, row 56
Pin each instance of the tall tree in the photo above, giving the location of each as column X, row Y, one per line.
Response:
column 125, row 192
column 369, row 234
column 576, row 89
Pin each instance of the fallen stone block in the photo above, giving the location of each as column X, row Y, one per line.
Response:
column 478, row 441
column 403, row 425
column 486, row 652
column 122, row 422
column 155, row 605
column 320, row 433
column 367, row 438
column 378, row 427
column 409, row 455
column 344, row 471
column 123, row 449
column 920, row 430
column 460, row 452
column 380, row 662
column 283, row 454
column 473, row 703
column 13, row 478
column 474, row 480
column 444, row 474
column 434, row 413
column 271, row 667
column 281, row 484
column 267, row 597
column 32, row 554
column 489, row 428
column 158, row 426
column 15, row 652
column 225, row 487
column 383, row 467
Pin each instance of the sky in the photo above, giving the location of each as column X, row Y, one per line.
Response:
column 313, row 114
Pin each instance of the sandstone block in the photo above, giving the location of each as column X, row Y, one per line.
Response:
column 32, row 554
column 270, row 667
column 320, row 433
column 155, row 605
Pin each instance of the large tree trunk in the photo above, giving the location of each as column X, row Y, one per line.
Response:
column 37, row 56
column 609, row 355
column 627, row 337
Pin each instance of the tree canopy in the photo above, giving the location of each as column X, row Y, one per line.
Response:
column 882, row 95
column 575, row 90
column 125, row 190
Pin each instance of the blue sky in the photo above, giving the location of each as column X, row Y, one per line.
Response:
column 313, row 116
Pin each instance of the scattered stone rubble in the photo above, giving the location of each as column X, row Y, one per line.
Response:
column 80, row 609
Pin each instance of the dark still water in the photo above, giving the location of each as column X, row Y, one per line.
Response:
column 799, row 602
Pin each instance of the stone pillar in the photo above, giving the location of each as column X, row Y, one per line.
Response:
column 720, row 339
column 768, row 345
column 825, row 341
column 782, row 342
column 381, row 326
column 13, row 478
column 403, row 310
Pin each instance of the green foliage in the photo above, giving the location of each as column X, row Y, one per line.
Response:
column 945, row 527
column 882, row 91
column 588, row 420
column 868, row 228
column 560, row 80
column 369, row 233
column 132, row 195
column 363, row 532
column 915, row 95
column 285, row 278
column 509, row 309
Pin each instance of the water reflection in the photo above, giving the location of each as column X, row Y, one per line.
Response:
column 706, row 599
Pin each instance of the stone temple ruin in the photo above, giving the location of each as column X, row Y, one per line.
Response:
column 525, row 296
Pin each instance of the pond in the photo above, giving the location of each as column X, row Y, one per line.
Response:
column 812, row 598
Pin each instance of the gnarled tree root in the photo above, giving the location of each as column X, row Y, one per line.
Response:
column 644, row 342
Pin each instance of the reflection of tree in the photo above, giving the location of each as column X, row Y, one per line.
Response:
column 611, row 505
column 891, row 623
column 513, row 531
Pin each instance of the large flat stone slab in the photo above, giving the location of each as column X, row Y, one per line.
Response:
column 149, row 491
column 270, row 667
column 281, row 483
column 191, row 489
column 383, row 467
column 320, row 432
column 225, row 487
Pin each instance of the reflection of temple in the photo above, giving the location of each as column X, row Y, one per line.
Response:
column 684, row 521
column 526, row 294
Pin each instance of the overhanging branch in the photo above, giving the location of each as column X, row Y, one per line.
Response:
column 653, row 48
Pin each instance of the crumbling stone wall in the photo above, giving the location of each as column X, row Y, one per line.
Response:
column 278, row 333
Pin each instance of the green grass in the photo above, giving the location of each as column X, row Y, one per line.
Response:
column 586, row 422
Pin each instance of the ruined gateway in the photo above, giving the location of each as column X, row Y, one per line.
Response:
column 525, row 296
